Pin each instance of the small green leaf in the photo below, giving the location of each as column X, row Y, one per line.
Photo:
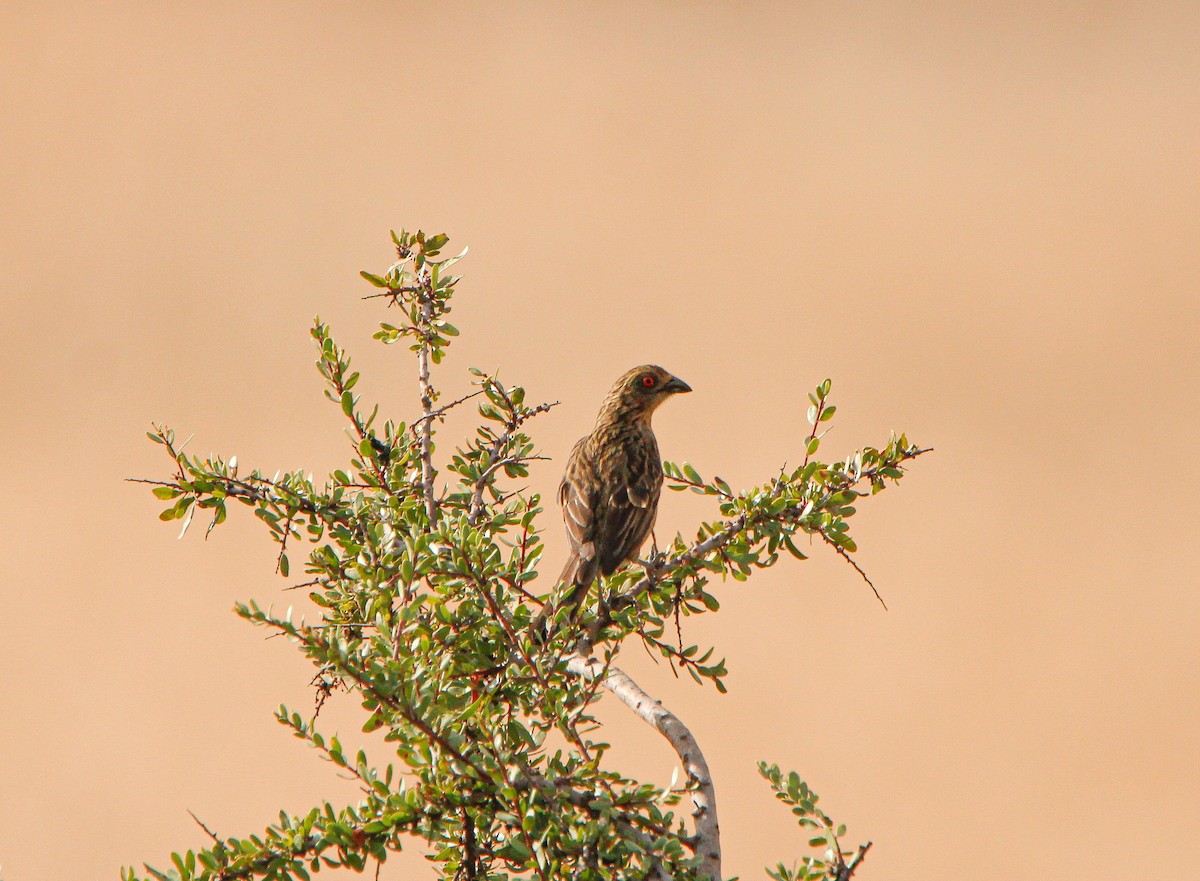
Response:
column 792, row 549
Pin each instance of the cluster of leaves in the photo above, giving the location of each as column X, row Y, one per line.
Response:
column 422, row 287
column 832, row 863
column 424, row 603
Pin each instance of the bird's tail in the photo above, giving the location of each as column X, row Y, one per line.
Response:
column 576, row 577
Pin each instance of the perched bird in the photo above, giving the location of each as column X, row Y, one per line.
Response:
column 609, row 492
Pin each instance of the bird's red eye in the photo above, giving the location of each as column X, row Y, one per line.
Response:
column 649, row 381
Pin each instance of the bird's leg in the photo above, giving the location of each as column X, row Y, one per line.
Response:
column 603, row 617
column 655, row 558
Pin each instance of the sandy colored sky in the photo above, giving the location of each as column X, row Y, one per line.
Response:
column 984, row 225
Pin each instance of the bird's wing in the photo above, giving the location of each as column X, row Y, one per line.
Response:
column 577, row 497
column 628, row 518
column 639, row 495
column 578, row 517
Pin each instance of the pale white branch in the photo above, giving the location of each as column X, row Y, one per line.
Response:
column 708, row 836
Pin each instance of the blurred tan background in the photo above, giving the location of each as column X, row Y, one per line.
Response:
column 984, row 225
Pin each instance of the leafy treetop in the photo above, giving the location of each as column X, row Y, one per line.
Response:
column 423, row 581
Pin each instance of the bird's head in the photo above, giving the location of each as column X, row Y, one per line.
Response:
column 639, row 391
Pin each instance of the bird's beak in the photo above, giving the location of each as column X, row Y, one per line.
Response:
column 674, row 385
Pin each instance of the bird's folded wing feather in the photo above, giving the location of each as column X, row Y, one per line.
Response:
column 578, row 516
column 627, row 521
column 577, row 495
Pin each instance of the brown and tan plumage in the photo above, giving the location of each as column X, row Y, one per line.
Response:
column 609, row 492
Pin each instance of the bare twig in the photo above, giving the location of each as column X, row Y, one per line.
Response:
column 427, row 397
column 200, row 823
column 392, row 292
column 440, row 410
column 845, row 555
column 847, row 870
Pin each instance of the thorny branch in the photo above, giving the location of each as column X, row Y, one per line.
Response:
column 656, row 568
column 392, row 292
column 845, row 555
column 428, row 396
column 846, row 870
column 200, row 823
column 514, row 422
column 441, row 410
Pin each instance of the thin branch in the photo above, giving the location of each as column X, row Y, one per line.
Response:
column 502, row 618
column 732, row 528
column 847, row 870
column 658, row 717
column 684, row 481
column 427, row 398
column 816, row 424
column 510, row 428
column 715, row 541
column 440, row 410
column 316, row 582
column 392, row 292
column 845, row 555
column 200, row 823
column 253, row 489
column 308, row 636
column 410, row 715
column 485, row 479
